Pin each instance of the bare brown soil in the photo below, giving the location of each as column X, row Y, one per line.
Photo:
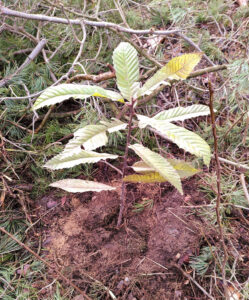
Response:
column 135, row 261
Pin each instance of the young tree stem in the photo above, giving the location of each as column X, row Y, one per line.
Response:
column 123, row 189
column 218, row 174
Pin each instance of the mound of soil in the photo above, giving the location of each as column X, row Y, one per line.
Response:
column 134, row 262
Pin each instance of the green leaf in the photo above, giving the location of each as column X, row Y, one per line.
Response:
column 142, row 167
column 81, row 186
column 177, row 68
column 91, row 137
column 183, row 113
column 160, row 164
column 184, row 169
column 125, row 61
column 59, row 93
column 61, row 162
column 184, row 138
column 115, row 125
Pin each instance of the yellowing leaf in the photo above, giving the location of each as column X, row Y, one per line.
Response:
column 160, row 164
column 180, row 67
column 184, row 169
column 177, row 68
column 147, row 178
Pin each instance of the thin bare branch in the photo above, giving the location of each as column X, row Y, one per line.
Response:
column 13, row 13
column 28, row 60
column 237, row 165
column 194, row 281
column 188, row 40
column 93, row 78
column 139, row 50
column 243, row 182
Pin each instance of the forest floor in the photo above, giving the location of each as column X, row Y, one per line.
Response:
column 168, row 246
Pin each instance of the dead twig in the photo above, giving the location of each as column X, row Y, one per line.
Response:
column 207, row 70
column 218, row 174
column 93, row 78
column 13, row 13
column 243, row 182
column 194, row 281
column 46, row 263
column 139, row 49
column 237, row 165
column 19, row 31
column 246, row 129
column 82, row 43
column 44, row 120
column 28, row 60
column 188, row 40
column 232, row 126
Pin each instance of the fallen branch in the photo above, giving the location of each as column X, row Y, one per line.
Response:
column 207, row 70
column 19, row 31
column 46, row 263
column 28, row 60
column 13, row 13
column 44, row 120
